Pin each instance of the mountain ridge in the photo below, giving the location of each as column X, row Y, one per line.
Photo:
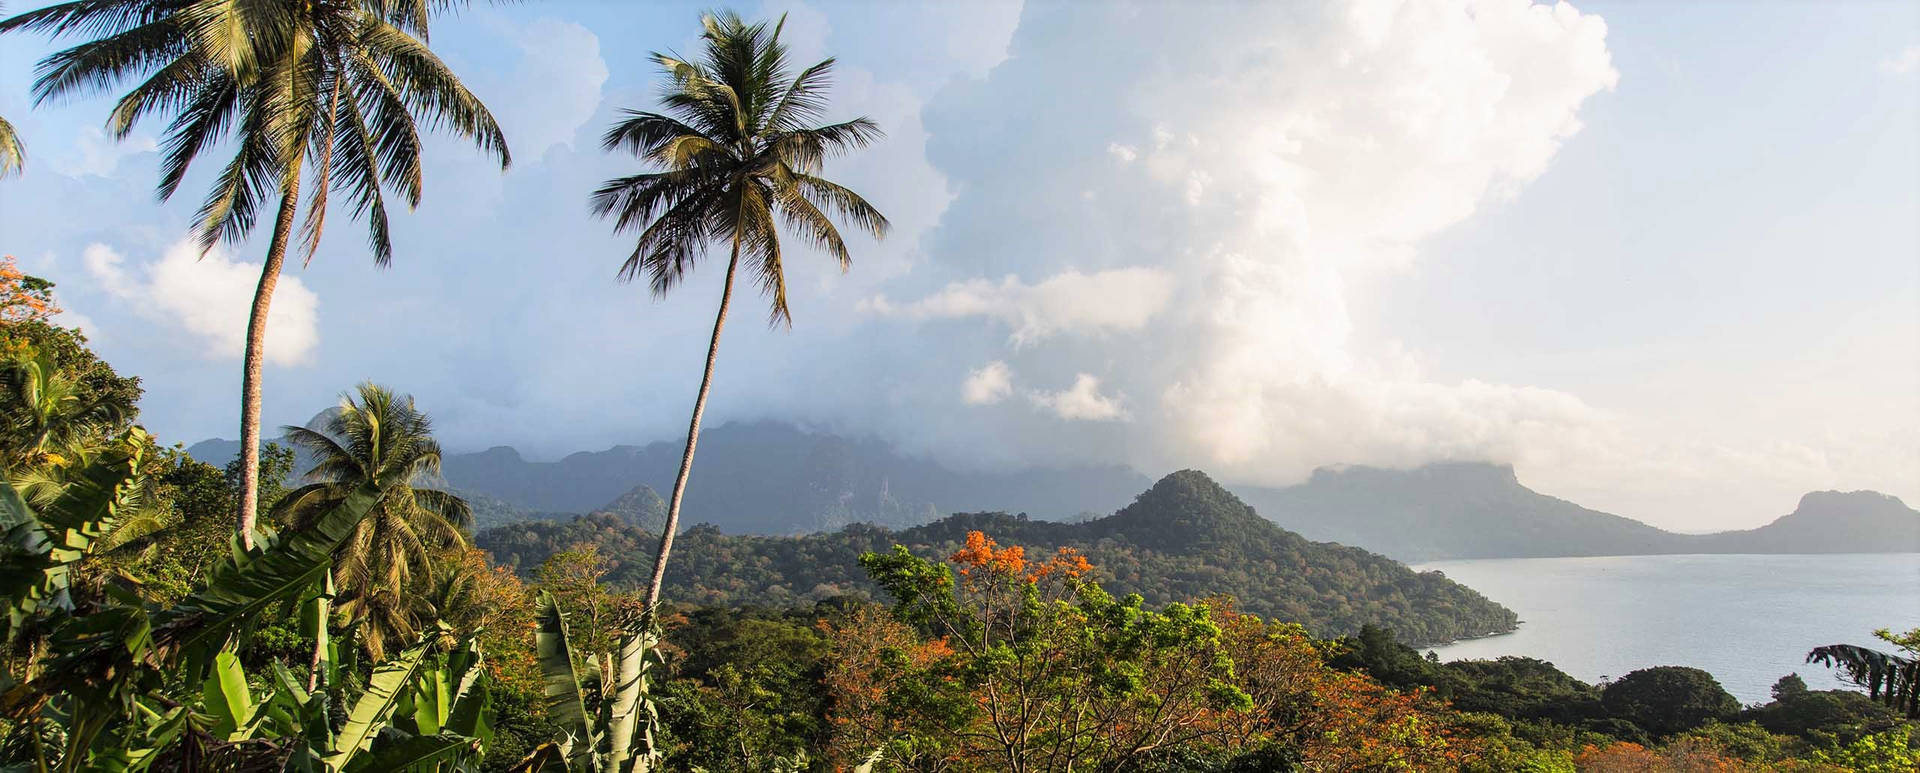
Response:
column 769, row 478
column 1186, row 538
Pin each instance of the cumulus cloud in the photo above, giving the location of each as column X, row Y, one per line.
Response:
column 1069, row 302
column 1211, row 214
column 1080, row 402
column 554, row 89
column 988, row 384
column 94, row 153
column 1906, row 62
column 210, row 298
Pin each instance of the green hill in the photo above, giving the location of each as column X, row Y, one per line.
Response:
column 1185, row 538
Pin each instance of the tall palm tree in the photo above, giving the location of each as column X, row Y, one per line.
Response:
column 739, row 146
column 384, row 567
column 13, row 155
column 343, row 85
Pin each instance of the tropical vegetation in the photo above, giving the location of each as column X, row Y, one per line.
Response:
column 345, row 86
column 356, row 627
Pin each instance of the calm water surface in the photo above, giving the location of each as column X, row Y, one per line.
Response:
column 1747, row 619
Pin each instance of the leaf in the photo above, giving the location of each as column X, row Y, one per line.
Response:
column 225, row 696
column 566, row 708
column 545, row 758
column 375, row 707
column 238, row 594
column 419, row 753
column 623, row 721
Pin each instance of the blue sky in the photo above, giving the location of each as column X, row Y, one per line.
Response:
column 1663, row 258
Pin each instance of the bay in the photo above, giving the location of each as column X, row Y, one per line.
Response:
column 1747, row 619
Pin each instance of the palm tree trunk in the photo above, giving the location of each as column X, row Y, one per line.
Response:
column 251, row 362
column 693, row 437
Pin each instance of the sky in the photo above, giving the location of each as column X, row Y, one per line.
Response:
column 1663, row 258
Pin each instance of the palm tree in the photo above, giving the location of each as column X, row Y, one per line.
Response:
column 343, row 85
column 738, row 146
column 13, row 156
column 385, row 564
column 47, row 417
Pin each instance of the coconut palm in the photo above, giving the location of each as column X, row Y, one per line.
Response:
column 382, row 567
column 13, row 156
column 739, row 148
column 47, row 416
column 344, row 86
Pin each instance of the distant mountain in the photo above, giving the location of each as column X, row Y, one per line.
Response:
column 1827, row 522
column 1186, row 538
column 1449, row 510
column 768, row 478
column 1472, row 510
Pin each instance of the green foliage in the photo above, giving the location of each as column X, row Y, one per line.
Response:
column 615, row 734
column 1184, row 539
column 384, row 568
column 1894, row 751
column 1668, row 699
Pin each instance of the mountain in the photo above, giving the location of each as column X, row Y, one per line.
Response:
column 1828, row 522
column 1473, row 510
column 768, row 478
column 1185, row 538
column 1450, row 510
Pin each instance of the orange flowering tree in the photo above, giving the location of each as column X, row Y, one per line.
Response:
column 23, row 298
column 995, row 661
column 992, row 661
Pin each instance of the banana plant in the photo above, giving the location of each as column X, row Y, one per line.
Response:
column 619, row 736
column 103, row 692
column 39, row 549
column 418, row 713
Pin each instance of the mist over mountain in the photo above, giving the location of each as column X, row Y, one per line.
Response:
column 775, row 479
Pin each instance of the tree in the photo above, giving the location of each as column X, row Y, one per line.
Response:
column 23, row 297
column 13, row 156
column 1789, row 686
column 737, row 148
column 377, row 435
column 343, row 85
column 1668, row 699
column 49, row 417
column 1890, row 679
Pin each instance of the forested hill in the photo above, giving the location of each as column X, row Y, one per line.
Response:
column 1185, row 538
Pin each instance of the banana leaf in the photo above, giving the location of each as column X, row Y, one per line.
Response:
column 237, row 595
column 38, row 550
column 566, row 707
column 418, row 753
column 375, row 707
column 226, row 698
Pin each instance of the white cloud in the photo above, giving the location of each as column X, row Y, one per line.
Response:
column 1906, row 62
column 94, row 153
column 988, row 384
column 554, row 88
column 1068, row 302
column 1250, row 188
column 210, row 298
column 1080, row 402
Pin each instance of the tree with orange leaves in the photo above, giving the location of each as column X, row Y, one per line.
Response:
column 23, row 297
column 992, row 661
